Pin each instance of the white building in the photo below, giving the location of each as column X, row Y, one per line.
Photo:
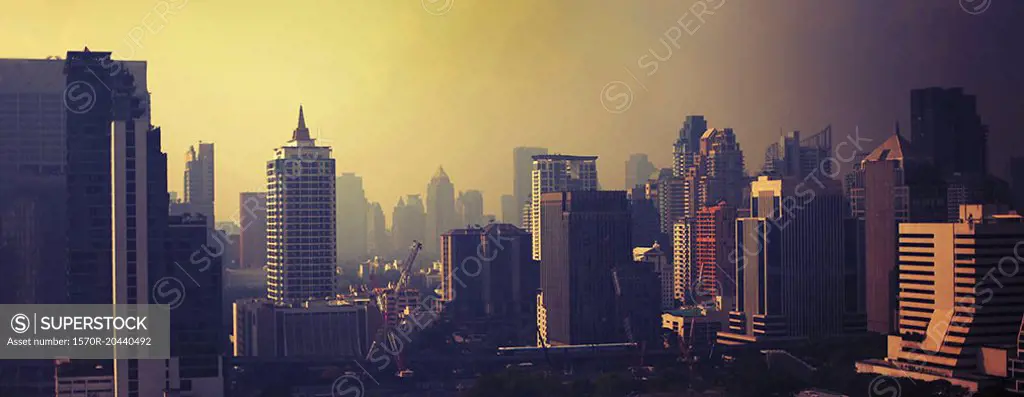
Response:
column 558, row 173
column 301, row 220
column 683, row 240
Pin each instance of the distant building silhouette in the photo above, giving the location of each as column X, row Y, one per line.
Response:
column 798, row 156
column 638, row 169
column 199, row 181
column 945, row 124
column 352, row 217
column 440, row 209
column 252, row 218
column 378, row 241
column 408, row 222
column 469, row 208
column 511, row 210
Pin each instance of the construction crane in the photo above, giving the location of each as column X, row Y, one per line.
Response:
column 381, row 298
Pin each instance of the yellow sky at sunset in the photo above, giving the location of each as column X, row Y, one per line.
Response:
column 398, row 91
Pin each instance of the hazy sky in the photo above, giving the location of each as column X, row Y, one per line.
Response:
column 398, row 87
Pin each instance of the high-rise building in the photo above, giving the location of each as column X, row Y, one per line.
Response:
column 643, row 212
column 441, row 216
column 638, row 169
column 586, row 235
column 945, row 124
column 352, row 211
column 469, row 207
column 956, row 298
column 893, row 184
column 721, row 173
column 715, row 243
column 522, row 178
column 661, row 267
column 197, row 323
column 378, row 242
column 799, row 157
column 684, row 241
column 328, row 329
column 301, row 220
column 252, row 218
column 558, row 173
column 511, row 210
column 199, row 181
column 408, row 222
column 686, row 148
column 789, row 264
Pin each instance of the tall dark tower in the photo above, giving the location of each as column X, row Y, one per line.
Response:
column 945, row 125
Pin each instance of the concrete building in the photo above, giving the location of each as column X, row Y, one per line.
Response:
column 684, row 241
column 715, row 244
column 252, row 218
column 378, row 240
column 586, row 235
column 440, row 209
column 199, row 181
column 558, row 173
column 721, row 172
column 311, row 329
column 469, row 208
column 893, row 184
column 352, row 217
column 638, row 169
column 687, row 147
column 408, row 223
column 798, row 156
column 643, row 212
column 522, row 176
column 789, row 268
column 956, row 297
column 510, row 210
column 301, row 220
column 662, row 267
column 945, row 123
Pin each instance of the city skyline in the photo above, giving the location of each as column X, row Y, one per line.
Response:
column 434, row 67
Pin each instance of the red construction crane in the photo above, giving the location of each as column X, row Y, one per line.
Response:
column 381, row 298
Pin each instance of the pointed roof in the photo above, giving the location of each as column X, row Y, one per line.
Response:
column 895, row 148
column 440, row 174
column 301, row 133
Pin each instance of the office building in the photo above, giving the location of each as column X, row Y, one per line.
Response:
column 301, row 220
column 408, row 222
column 252, row 218
column 721, row 173
column 956, row 298
column 894, row 184
column 662, row 268
column 945, row 124
column 522, row 177
column 715, row 242
column 789, row 268
column 638, row 169
column 441, row 216
column 199, row 181
column 558, row 173
column 586, row 235
column 352, row 211
column 684, row 242
column 687, row 146
column 511, row 210
column 469, row 208
column 377, row 239
column 326, row 329
column 637, row 303
column 798, row 156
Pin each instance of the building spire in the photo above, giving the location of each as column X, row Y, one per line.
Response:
column 301, row 133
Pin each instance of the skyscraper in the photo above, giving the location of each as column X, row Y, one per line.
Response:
column 638, row 169
column 894, row 184
column 796, row 156
column 685, row 149
column 301, row 220
column 352, row 212
column 586, row 235
column 643, row 212
column 789, row 263
column 408, row 222
column 522, row 178
column 378, row 242
column 715, row 242
column 956, row 298
column 662, row 267
column 945, row 123
column 684, row 261
column 441, row 215
column 558, row 173
column 722, row 177
column 470, row 208
column 252, row 218
column 199, row 181
column 511, row 210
